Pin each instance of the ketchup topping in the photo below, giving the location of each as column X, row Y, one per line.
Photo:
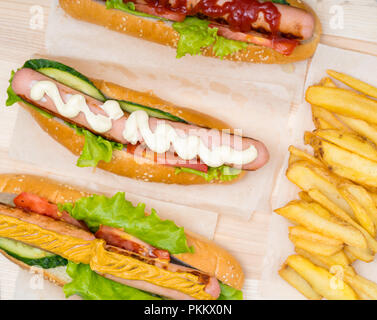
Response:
column 239, row 14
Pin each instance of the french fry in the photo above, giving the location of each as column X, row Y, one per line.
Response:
column 296, row 281
column 316, row 195
column 303, row 233
column 362, row 127
column 315, row 247
column 354, row 83
column 346, row 164
column 338, row 259
column 321, row 280
column 366, row 287
column 350, row 257
column 323, row 118
column 344, row 102
column 365, row 199
column 304, row 196
column 308, row 218
column 349, row 141
column 361, row 214
column 308, row 176
column 327, row 82
column 365, row 255
column 303, row 155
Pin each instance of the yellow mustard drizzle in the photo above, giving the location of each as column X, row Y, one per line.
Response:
column 93, row 252
column 128, row 268
column 70, row 248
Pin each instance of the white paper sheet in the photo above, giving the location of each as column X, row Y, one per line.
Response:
column 255, row 98
column 360, row 66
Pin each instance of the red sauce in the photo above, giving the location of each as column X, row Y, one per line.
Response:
column 239, row 14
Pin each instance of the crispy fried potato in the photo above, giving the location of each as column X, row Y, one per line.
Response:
column 296, row 281
column 344, row 102
column 362, row 127
column 323, row 118
column 316, row 195
column 321, row 280
column 305, row 196
column 354, row 83
column 315, row 247
column 308, row 176
column 365, row 255
column 361, row 214
column 346, row 164
column 328, row 82
column 303, row 233
column 349, row 141
column 338, row 259
column 303, row 155
column 366, row 287
column 365, row 199
column 308, row 218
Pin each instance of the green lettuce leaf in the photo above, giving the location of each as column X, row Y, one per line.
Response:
column 229, row 293
column 91, row 286
column 224, row 47
column 117, row 212
column 96, row 149
column 196, row 34
column 128, row 7
column 223, row 173
column 280, row 1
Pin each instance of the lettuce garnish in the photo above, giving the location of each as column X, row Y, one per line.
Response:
column 229, row 293
column 128, row 7
column 223, row 173
column 91, row 286
column 194, row 35
column 117, row 212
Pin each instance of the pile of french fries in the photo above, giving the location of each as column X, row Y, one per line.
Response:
column 336, row 217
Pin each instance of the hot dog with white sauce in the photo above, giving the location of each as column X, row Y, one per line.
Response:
column 275, row 31
column 35, row 231
column 170, row 145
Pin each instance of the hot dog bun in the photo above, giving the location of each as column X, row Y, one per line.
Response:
column 208, row 256
column 57, row 275
column 162, row 33
column 124, row 163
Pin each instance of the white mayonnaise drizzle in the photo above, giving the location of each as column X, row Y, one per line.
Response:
column 76, row 104
column 137, row 129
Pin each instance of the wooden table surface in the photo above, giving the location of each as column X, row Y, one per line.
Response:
column 347, row 24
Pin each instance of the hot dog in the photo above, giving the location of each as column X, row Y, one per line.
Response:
column 280, row 33
column 125, row 265
column 164, row 143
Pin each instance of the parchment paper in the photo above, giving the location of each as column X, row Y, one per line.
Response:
column 360, row 66
column 254, row 98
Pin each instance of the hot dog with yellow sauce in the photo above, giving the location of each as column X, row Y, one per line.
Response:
column 105, row 248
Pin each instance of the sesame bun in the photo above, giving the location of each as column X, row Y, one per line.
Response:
column 124, row 163
column 160, row 32
column 207, row 257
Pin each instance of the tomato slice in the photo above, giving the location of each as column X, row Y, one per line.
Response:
column 119, row 238
column 33, row 203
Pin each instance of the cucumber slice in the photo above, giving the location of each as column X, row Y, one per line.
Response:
column 30, row 255
column 73, row 82
column 23, row 250
column 152, row 112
